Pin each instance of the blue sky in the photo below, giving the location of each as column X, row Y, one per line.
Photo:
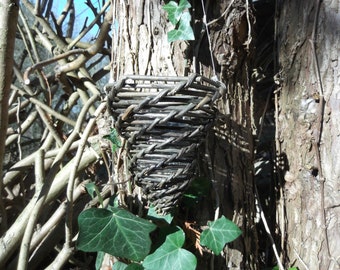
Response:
column 82, row 11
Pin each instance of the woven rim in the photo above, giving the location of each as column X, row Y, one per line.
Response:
column 164, row 120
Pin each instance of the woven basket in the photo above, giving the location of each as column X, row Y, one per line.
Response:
column 164, row 120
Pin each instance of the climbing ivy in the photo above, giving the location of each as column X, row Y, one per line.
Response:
column 120, row 233
column 179, row 16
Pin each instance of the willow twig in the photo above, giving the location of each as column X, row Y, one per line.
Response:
column 28, row 33
column 45, row 107
column 67, row 250
column 57, row 216
column 65, row 12
column 51, row 190
column 45, row 24
column 24, row 40
column 42, row 114
column 19, row 129
column 37, row 7
column 25, row 244
column 13, row 172
column 13, row 111
column 41, row 64
column 85, row 31
column 91, row 51
column 265, row 224
column 71, row 21
column 8, row 22
column 90, row 85
column 23, row 127
column 86, row 45
column 77, row 159
column 43, row 40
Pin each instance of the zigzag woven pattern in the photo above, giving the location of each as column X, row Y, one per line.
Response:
column 164, row 120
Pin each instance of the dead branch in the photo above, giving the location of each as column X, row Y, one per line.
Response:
column 50, row 61
column 91, row 51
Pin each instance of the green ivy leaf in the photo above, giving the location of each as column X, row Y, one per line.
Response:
column 117, row 232
column 199, row 188
column 219, row 233
column 119, row 266
column 184, row 31
column 171, row 255
column 134, row 266
column 153, row 215
column 175, row 10
column 123, row 266
column 114, row 138
column 93, row 190
column 99, row 260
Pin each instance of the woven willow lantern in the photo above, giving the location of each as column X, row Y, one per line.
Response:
column 164, row 120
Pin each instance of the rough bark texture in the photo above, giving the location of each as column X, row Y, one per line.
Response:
column 142, row 48
column 308, row 129
column 9, row 15
column 231, row 145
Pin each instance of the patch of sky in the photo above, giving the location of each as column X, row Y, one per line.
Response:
column 84, row 16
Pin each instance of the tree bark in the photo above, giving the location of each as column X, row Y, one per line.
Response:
column 231, row 144
column 140, row 46
column 308, row 131
column 8, row 21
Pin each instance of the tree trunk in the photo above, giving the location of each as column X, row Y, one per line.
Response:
column 231, row 144
column 308, row 129
column 140, row 46
column 9, row 15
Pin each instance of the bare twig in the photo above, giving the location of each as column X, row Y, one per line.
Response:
column 28, row 34
column 300, row 259
column 88, row 83
column 19, row 130
column 8, row 22
column 12, row 113
column 42, row 114
column 37, row 7
column 86, row 45
column 70, row 185
column 51, row 190
column 85, row 31
column 222, row 15
column 94, row 49
column 67, row 250
column 46, row 9
column 21, row 165
column 265, row 224
column 45, row 107
column 65, row 12
column 25, row 244
column 44, row 23
column 43, row 40
column 54, row 220
column 51, row 104
column 71, row 21
column 24, row 40
column 50, row 61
